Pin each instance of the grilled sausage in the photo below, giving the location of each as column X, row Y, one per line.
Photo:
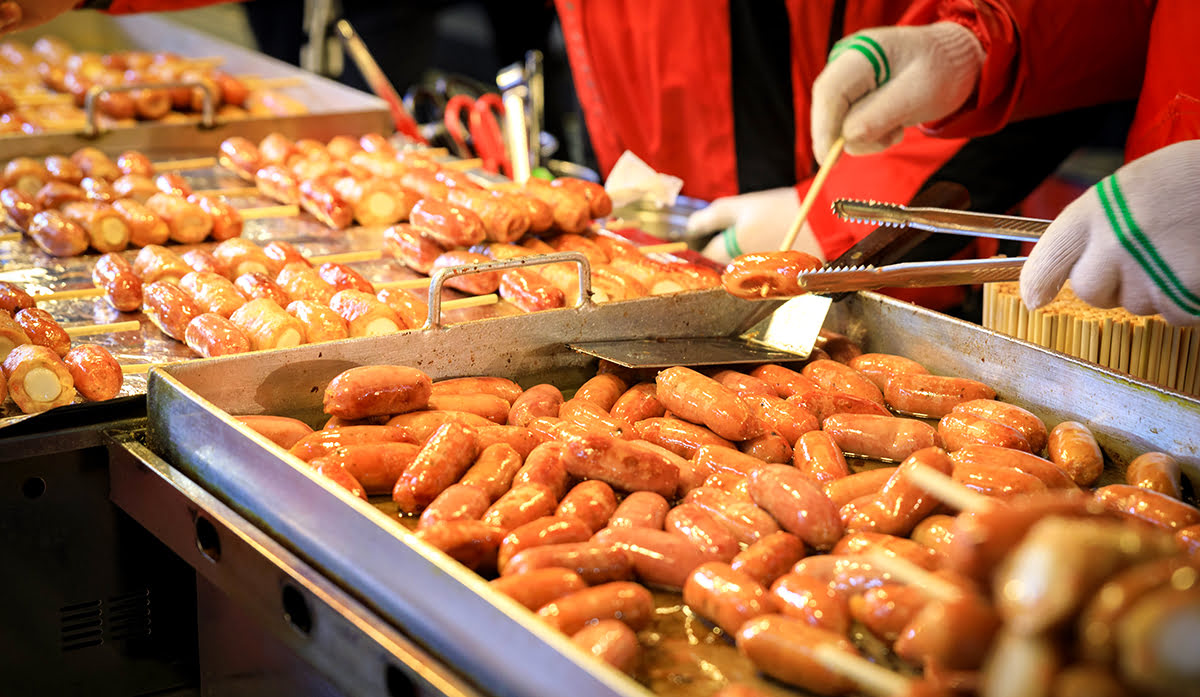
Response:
column 267, row 325
column 320, row 322
column 145, row 227
column 226, row 220
column 364, row 314
column 95, row 372
column 211, row 335
column 57, row 235
column 447, row 224
column 43, row 330
column 38, row 379
column 157, row 263
column 169, row 308
column 186, row 221
column 106, row 229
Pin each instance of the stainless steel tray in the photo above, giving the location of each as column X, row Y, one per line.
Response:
column 450, row 610
column 22, row 263
column 333, row 108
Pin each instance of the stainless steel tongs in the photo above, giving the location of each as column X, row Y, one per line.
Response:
column 841, row 279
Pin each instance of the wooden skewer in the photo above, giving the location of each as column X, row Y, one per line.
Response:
column 810, row 198
column 871, row 678
column 140, row 368
column 229, row 192
column 40, row 99
column 92, row 292
column 664, row 248
column 11, row 237
column 473, row 163
column 947, row 490
column 904, row 571
column 268, row 83
column 111, row 328
column 348, row 257
column 473, row 301
column 406, row 284
column 269, row 212
column 191, row 163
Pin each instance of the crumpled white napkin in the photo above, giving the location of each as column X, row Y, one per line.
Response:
column 632, row 180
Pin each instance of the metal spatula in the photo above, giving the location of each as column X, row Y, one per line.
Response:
column 790, row 331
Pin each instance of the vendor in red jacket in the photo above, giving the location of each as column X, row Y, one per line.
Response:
column 1132, row 239
column 717, row 92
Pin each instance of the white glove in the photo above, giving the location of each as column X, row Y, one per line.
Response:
column 756, row 222
column 880, row 80
column 1132, row 240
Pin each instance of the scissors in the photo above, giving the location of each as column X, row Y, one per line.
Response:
column 486, row 138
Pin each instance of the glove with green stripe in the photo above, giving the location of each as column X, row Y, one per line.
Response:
column 1133, row 240
column 879, row 81
column 755, row 222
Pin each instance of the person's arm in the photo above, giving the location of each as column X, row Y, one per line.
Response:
column 962, row 68
column 1129, row 240
column 1042, row 57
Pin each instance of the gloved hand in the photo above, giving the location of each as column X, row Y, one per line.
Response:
column 880, row 80
column 755, row 222
column 1132, row 240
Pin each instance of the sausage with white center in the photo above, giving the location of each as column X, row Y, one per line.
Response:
column 268, row 325
column 38, row 379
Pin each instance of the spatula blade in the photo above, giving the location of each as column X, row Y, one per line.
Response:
column 691, row 351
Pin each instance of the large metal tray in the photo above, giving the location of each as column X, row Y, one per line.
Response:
column 333, row 108
column 451, row 610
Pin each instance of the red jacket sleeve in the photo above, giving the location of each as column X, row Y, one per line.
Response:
column 1043, row 57
column 122, row 7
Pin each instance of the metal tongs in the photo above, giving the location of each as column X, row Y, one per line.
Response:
column 844, row 275
column 789, row 331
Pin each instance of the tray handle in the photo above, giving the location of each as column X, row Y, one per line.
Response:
column 434, row 320
column 208, row 106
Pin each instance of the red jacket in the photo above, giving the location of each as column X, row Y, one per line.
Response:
column 654, row 77
column 1069, row 53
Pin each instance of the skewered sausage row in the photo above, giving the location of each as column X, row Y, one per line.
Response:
column 240, row 297
column 735, row 543
column 51, row 66
column 41, row 368
column 67, row 205
column 438, row 215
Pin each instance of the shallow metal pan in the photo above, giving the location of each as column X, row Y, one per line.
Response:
column 450, row 609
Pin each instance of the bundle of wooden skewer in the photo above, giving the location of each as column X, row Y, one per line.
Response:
column 1146, row 347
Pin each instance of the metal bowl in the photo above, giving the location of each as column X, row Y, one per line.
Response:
column 668, row 223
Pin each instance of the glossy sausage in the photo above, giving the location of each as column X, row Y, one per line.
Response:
column 57, row 235
column 442, row 461
column 768, row 274
column 1155, row 471
column 620, row 464
column 169, row 308
column 96, row 374
column 43, row 330
column 659, row 558
column 700, row 399
column 37, row 379
column 145, row 227
column 1073, row 448
column 932, row 395
column 799, row 506
column 382, row 389
column 880, row 437
column 539, row 587
column 212, row 335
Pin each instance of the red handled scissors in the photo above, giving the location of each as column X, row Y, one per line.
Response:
column 486, row 138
